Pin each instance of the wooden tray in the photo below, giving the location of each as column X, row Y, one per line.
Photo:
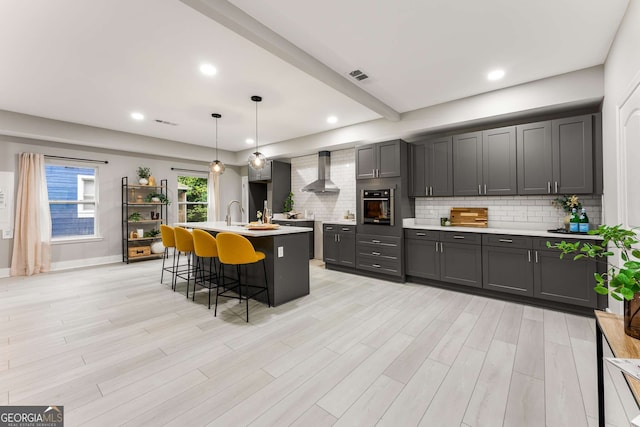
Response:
column 262, row 226
column 469, row 217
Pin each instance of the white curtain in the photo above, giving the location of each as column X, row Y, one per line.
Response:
column 213, row 196
column 32, row 231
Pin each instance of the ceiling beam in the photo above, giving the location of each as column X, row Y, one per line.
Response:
column 238, row 21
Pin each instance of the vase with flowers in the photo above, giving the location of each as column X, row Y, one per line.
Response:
column 567, row 203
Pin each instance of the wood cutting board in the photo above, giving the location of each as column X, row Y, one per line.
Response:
column 469, row 217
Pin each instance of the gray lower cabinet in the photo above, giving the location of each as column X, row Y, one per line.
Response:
column 422, row 253
column 339, row 244
column 381, row 254
column 445, row 256
column 461, row 258
column 507, row 264
column 563, row 280
column 309, row 224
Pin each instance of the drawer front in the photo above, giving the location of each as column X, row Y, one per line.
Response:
column 339, row 228
column 414, row 233
column 374, row 253
column 370, row 239
column 379, row 266
column 464, row 237
column 507, row 241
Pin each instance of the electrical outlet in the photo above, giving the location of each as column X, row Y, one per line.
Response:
column 280, row 251
column 7, row 234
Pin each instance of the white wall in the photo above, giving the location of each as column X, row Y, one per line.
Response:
column 621, row 69
column 108, row 249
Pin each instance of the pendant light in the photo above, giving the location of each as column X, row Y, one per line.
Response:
column 257, row 159
column 216, row 167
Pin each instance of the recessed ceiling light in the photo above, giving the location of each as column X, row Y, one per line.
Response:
column 249, row 141
column 332, row 119
column 137, row 116
column 208, row 69
column 495, row 75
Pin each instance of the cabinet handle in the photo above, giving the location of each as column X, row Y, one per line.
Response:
column 376, row 266
column 536, row 257
column 441, row 249
column 421, row 234
column 375, row 241
column 426, row 191
column 335, row 238
column 505, row 240
column 430, row 191
column 549, row 187
column 375, row 253
column 458, row 237
column 436, row 246
column 556, row 187
column 479, row 189
column 485, row 189
column 339, row 238
column 529, row 254
column 345, row 229
column 328, row 228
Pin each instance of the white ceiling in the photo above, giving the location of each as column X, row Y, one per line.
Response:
column 94, row 62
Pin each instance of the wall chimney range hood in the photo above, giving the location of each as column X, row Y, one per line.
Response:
column 323, row 184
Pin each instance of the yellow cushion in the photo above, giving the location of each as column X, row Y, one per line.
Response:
column 184, row 239
column 236, row 249
column 204, row 244
column 168, row 236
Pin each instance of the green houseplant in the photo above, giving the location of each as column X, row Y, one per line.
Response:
column 156, row 198
column 288, row 203
column 143, row 173
column 621, row 282
column 136, row 216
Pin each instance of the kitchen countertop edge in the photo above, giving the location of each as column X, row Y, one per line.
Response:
column 410, row 223
column 221, row 226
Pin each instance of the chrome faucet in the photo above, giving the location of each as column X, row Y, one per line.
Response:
column 228, row 217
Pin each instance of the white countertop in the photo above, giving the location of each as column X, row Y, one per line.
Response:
column 292, row 219
column 341, row 222
column 411, row 223
column 238, row 228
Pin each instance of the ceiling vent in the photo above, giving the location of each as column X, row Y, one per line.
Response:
column 165, row 122
column 358, row 75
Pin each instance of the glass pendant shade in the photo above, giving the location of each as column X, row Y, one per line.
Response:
column 216, row 167
column 257, row 160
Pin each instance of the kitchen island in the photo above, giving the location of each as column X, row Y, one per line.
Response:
column 287, row 257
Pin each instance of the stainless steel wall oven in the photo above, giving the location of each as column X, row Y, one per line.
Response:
column 376, row 207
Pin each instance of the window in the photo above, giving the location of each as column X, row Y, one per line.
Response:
column 73, row 201
column 192, row 199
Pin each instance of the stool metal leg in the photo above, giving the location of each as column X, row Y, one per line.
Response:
column 266, row 282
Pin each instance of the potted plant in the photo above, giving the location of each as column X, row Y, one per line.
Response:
column 136, row 216
column 156, row 198
column 567, row 203
column 622, row 283
column 288, row 203
column 144, row 174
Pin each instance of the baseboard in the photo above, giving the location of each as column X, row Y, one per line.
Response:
column 85, row 262
column 77, row 263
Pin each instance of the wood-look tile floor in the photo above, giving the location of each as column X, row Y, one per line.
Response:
column 116, row 347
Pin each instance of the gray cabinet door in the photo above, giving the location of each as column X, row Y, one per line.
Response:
column 366, row 161
column 564, row 280
column 507, row 269
column 467, row 158
column 418, row 170
column 499, row 176
column 330, row 248
column 535, row 160
column 388, row 159
column 439, row 164
column 347, row 246
column 461, row 263
column 422, row 258
column 572, row 140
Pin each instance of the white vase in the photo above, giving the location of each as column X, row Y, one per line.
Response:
column 157, row 247
column 143, row 181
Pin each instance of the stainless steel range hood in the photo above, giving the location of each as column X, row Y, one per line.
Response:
column 323, row 184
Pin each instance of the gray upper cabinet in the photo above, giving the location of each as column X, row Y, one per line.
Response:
column 432, row 168
column 485, row 163
column 499, row 176
column 572, row 155
column 467, row 161
column 381, row 160
column 535, row 167
column 556, row 156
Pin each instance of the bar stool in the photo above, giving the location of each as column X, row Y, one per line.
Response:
column 234, row 249
column 205, row 247
column 184, row 244
column 168, row 241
